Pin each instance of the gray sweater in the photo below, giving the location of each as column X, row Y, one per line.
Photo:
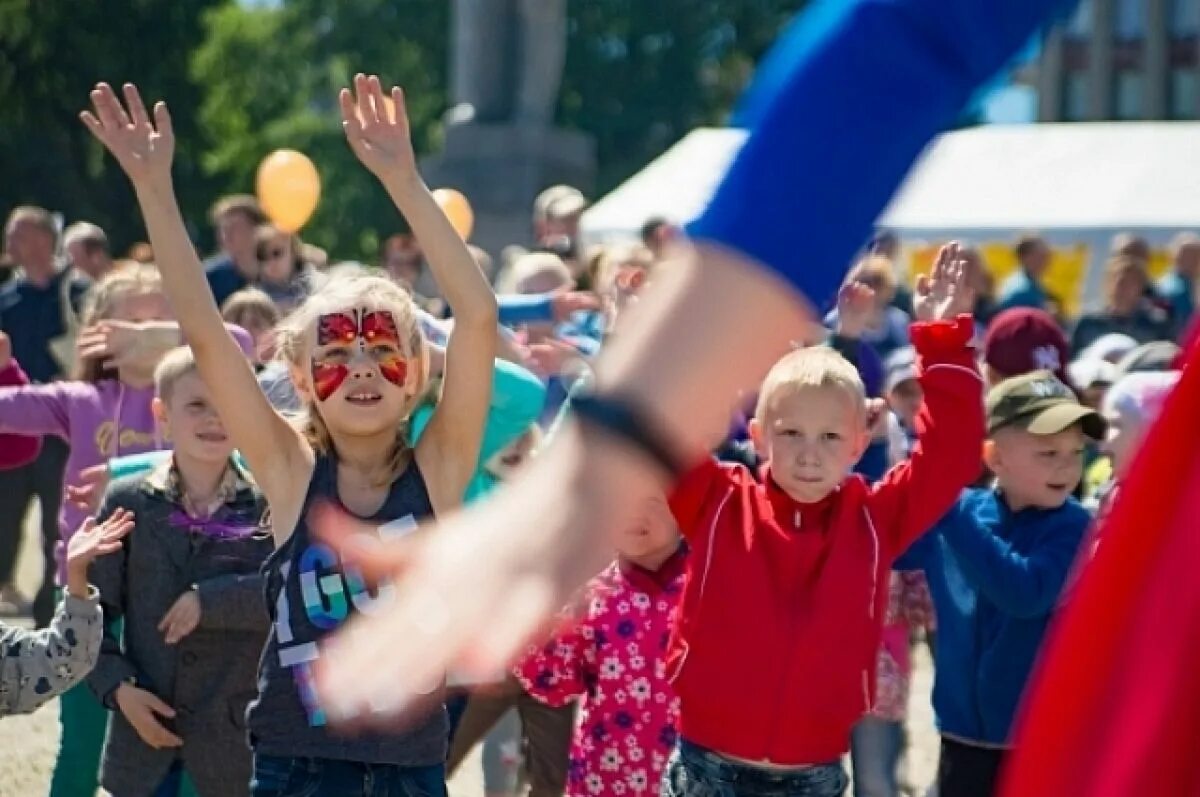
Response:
column 36, row 666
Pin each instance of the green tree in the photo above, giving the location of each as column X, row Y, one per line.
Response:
column 52, row 52
column 271, row 77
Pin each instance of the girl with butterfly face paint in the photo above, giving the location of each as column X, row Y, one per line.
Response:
column 360, row 363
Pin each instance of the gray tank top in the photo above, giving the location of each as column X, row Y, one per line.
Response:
column 309, row 595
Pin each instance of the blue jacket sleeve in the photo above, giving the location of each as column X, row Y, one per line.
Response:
column 919, row 555
column 525, row 309
column 1022, row 584
column 849, row 96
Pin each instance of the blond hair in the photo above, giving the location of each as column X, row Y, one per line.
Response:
column 175, row 365
column 531, row 265
column 351, row 288
column 251, row 302
column 1116, row 268
column 814, row 367
column 100, row 304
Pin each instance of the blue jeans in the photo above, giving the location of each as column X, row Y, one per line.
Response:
column 323, row 777
column 875, row 747
column 694, row 771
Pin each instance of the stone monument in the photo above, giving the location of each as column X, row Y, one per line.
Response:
column 501, row 146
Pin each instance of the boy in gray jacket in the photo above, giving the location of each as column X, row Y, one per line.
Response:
column 36, row 666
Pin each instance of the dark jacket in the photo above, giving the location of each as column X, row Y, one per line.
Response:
column 209, row 676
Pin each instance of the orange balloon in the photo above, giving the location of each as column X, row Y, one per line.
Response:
column 457, row 209
column 288, row 188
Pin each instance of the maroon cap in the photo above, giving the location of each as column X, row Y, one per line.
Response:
column 1025, row 339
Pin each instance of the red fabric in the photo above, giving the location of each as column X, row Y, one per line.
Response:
column 774, row 652
column 16, row 450
column 1115, row 708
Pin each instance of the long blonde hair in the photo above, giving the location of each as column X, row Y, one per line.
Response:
column 353, row 287
column 100, row 304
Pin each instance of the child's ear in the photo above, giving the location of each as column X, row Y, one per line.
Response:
column 158, row 409
column 759, row 438
column 991, row 455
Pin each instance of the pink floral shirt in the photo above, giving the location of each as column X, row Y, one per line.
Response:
column 909, row 606
column 611, row 659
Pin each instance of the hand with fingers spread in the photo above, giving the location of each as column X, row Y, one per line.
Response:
column 182, row 618
column 142, row 146
column 125, row 344
column 946, row 292
column 378, row 135
column 856, row 307
column 93, row 540
column 143, row 708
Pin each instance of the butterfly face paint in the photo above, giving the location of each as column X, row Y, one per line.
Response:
column 370, row 334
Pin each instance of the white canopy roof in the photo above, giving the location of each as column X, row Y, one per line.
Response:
column 1056, row 178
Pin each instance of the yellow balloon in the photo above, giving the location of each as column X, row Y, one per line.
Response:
column 457, row 209
column 288, row 188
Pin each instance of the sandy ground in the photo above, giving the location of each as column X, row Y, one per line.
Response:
column 29, row 743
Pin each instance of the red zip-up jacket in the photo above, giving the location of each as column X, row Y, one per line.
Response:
column 773, row 652
column 16, row 450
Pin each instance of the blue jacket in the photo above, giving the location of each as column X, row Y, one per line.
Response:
column 996, row 577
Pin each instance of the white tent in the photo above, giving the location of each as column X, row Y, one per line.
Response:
column 1074, row 183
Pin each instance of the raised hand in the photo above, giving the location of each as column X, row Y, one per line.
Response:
column 93, row 540
column 378, row 134
column 856, row 306
column 143, row 147
column 947, row 291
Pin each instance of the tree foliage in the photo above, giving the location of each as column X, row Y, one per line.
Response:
column 243, row 80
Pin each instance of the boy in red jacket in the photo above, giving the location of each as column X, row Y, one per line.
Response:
column 773, row 653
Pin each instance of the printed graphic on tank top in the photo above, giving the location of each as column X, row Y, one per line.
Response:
column 310, row 593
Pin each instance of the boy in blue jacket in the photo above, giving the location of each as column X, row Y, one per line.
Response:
column 996, row 565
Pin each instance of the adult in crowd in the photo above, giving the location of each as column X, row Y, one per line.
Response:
column 86, row 246
column 887, row 329
column 37, row 311
column 283, row 272
column 556, row 215
column 1177, row 288
column 1126, row 308
column 236, row 219
column 1024, row 288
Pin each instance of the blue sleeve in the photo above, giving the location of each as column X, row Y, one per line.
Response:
column 849, row 97
column 874, row 461
column 1024, row 584
column 920, row 555
column 525, row 309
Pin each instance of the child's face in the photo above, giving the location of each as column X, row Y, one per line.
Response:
column 1037, row 470
column 142, row 307
column 361, row 375
column 191, row 421
column 905, row 400
column 505, row 461
column 812, row 436
column 1124, row 435
column 652, row 532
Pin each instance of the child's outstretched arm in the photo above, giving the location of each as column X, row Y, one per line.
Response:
column 36, row 666
column 145, row 148
column 912, row 496
column 449, row 449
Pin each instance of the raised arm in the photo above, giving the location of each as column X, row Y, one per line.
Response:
column 449, row 449
column 145, row 148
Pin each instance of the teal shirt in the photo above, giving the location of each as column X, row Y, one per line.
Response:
column 517, row 399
